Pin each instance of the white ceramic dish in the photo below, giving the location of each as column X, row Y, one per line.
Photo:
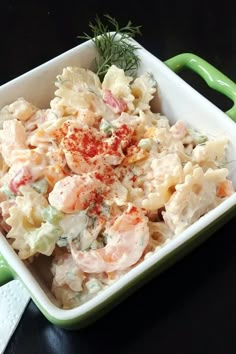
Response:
column 178, row 101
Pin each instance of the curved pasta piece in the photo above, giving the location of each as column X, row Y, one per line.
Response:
column 118, row 84
column 193, row 198
column 80, row 89
column 211, row 150
column 143, row 89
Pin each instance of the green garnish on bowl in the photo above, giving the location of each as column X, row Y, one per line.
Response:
column 114, row 45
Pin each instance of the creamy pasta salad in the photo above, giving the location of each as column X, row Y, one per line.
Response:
column 99, row 182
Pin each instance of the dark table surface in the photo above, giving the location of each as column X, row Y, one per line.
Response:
column 191, row 308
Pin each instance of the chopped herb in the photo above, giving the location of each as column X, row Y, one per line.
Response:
column 106, row 127
column 62, row 242
column 40, row 186
column 198, row 138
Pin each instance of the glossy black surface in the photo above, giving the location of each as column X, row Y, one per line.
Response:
column 191, row 308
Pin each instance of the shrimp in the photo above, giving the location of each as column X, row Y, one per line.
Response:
column 86, row 147
column 83, row 147
column 127, row 240
column 74, row 193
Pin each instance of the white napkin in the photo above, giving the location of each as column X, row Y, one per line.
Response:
column 13, row 300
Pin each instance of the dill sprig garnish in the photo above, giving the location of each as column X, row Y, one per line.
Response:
column 114, row 45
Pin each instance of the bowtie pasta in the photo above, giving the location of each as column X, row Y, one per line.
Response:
column 100, row 182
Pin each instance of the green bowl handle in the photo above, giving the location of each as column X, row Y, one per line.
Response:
column 5, row 272
column 213, row 77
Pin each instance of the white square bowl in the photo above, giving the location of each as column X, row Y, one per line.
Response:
column 178, row 101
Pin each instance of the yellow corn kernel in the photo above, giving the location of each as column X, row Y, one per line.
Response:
column 54, row 174
column 150, row 133
column 137, row 156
